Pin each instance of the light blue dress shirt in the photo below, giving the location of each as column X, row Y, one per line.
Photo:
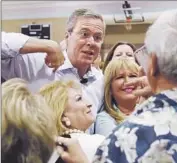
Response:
column 32, row 68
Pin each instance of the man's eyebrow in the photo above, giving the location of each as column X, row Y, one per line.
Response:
column 87, row 29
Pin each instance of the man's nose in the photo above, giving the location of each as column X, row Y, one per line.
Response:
column 90, row 41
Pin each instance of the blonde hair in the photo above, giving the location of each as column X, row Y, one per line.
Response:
column 111, row 72
column 56, row 95
column 27, row 122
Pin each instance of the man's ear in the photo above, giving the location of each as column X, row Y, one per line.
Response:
column 154, row 66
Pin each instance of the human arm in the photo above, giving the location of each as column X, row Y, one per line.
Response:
column 23, row 44
column 27, row 66
column 104, row 124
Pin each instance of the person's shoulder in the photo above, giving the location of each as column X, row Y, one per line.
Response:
column 142, row 142
column 103, row 114
column 157, row 104
column 105, row 117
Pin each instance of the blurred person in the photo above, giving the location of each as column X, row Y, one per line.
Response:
column 28, row 130
column 85, row 31
column 73, row 113
column 120, row 49
column 149, row 134
column 119, row 100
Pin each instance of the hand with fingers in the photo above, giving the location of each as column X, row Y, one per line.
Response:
column 73, row 152
column 143, row 84
column 54, row 57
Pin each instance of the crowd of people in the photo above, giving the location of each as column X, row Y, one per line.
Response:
column 59, row 104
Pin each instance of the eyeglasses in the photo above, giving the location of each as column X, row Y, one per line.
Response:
column 142, row 57
column 85, row 34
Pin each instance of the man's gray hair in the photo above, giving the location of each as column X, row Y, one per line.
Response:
column 161, row 39
column 72, row 20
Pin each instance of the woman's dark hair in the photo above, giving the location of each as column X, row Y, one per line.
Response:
column 111, row 52
column 21, row 146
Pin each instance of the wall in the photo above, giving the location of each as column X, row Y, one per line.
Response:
column 57, row 26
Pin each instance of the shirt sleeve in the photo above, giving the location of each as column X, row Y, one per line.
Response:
column 104, row 124
column 12, row 43
column 14, row 64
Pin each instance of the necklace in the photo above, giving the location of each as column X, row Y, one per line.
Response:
column 70, row 131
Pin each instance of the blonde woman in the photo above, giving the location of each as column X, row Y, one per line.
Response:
column 119, row 101
column 28, row 128
column 73, row 113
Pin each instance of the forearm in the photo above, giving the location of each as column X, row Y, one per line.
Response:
column 34, row 45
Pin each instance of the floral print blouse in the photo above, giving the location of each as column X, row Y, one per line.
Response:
column 149, row 135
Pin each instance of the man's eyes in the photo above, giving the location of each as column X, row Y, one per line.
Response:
column 85, row 34
column 88, row 34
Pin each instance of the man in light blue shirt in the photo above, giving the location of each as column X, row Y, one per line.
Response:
column 84, row 37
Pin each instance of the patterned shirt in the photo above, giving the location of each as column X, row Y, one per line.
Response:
column 149, row 135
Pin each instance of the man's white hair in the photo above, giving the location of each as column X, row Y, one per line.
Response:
column 161, row 39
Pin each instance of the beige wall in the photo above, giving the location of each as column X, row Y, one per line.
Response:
column 57, row 26
column 116, row 33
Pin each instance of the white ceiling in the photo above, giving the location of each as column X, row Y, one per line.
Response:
column 44, row 9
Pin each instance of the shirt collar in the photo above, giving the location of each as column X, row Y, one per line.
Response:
column 68, row 65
